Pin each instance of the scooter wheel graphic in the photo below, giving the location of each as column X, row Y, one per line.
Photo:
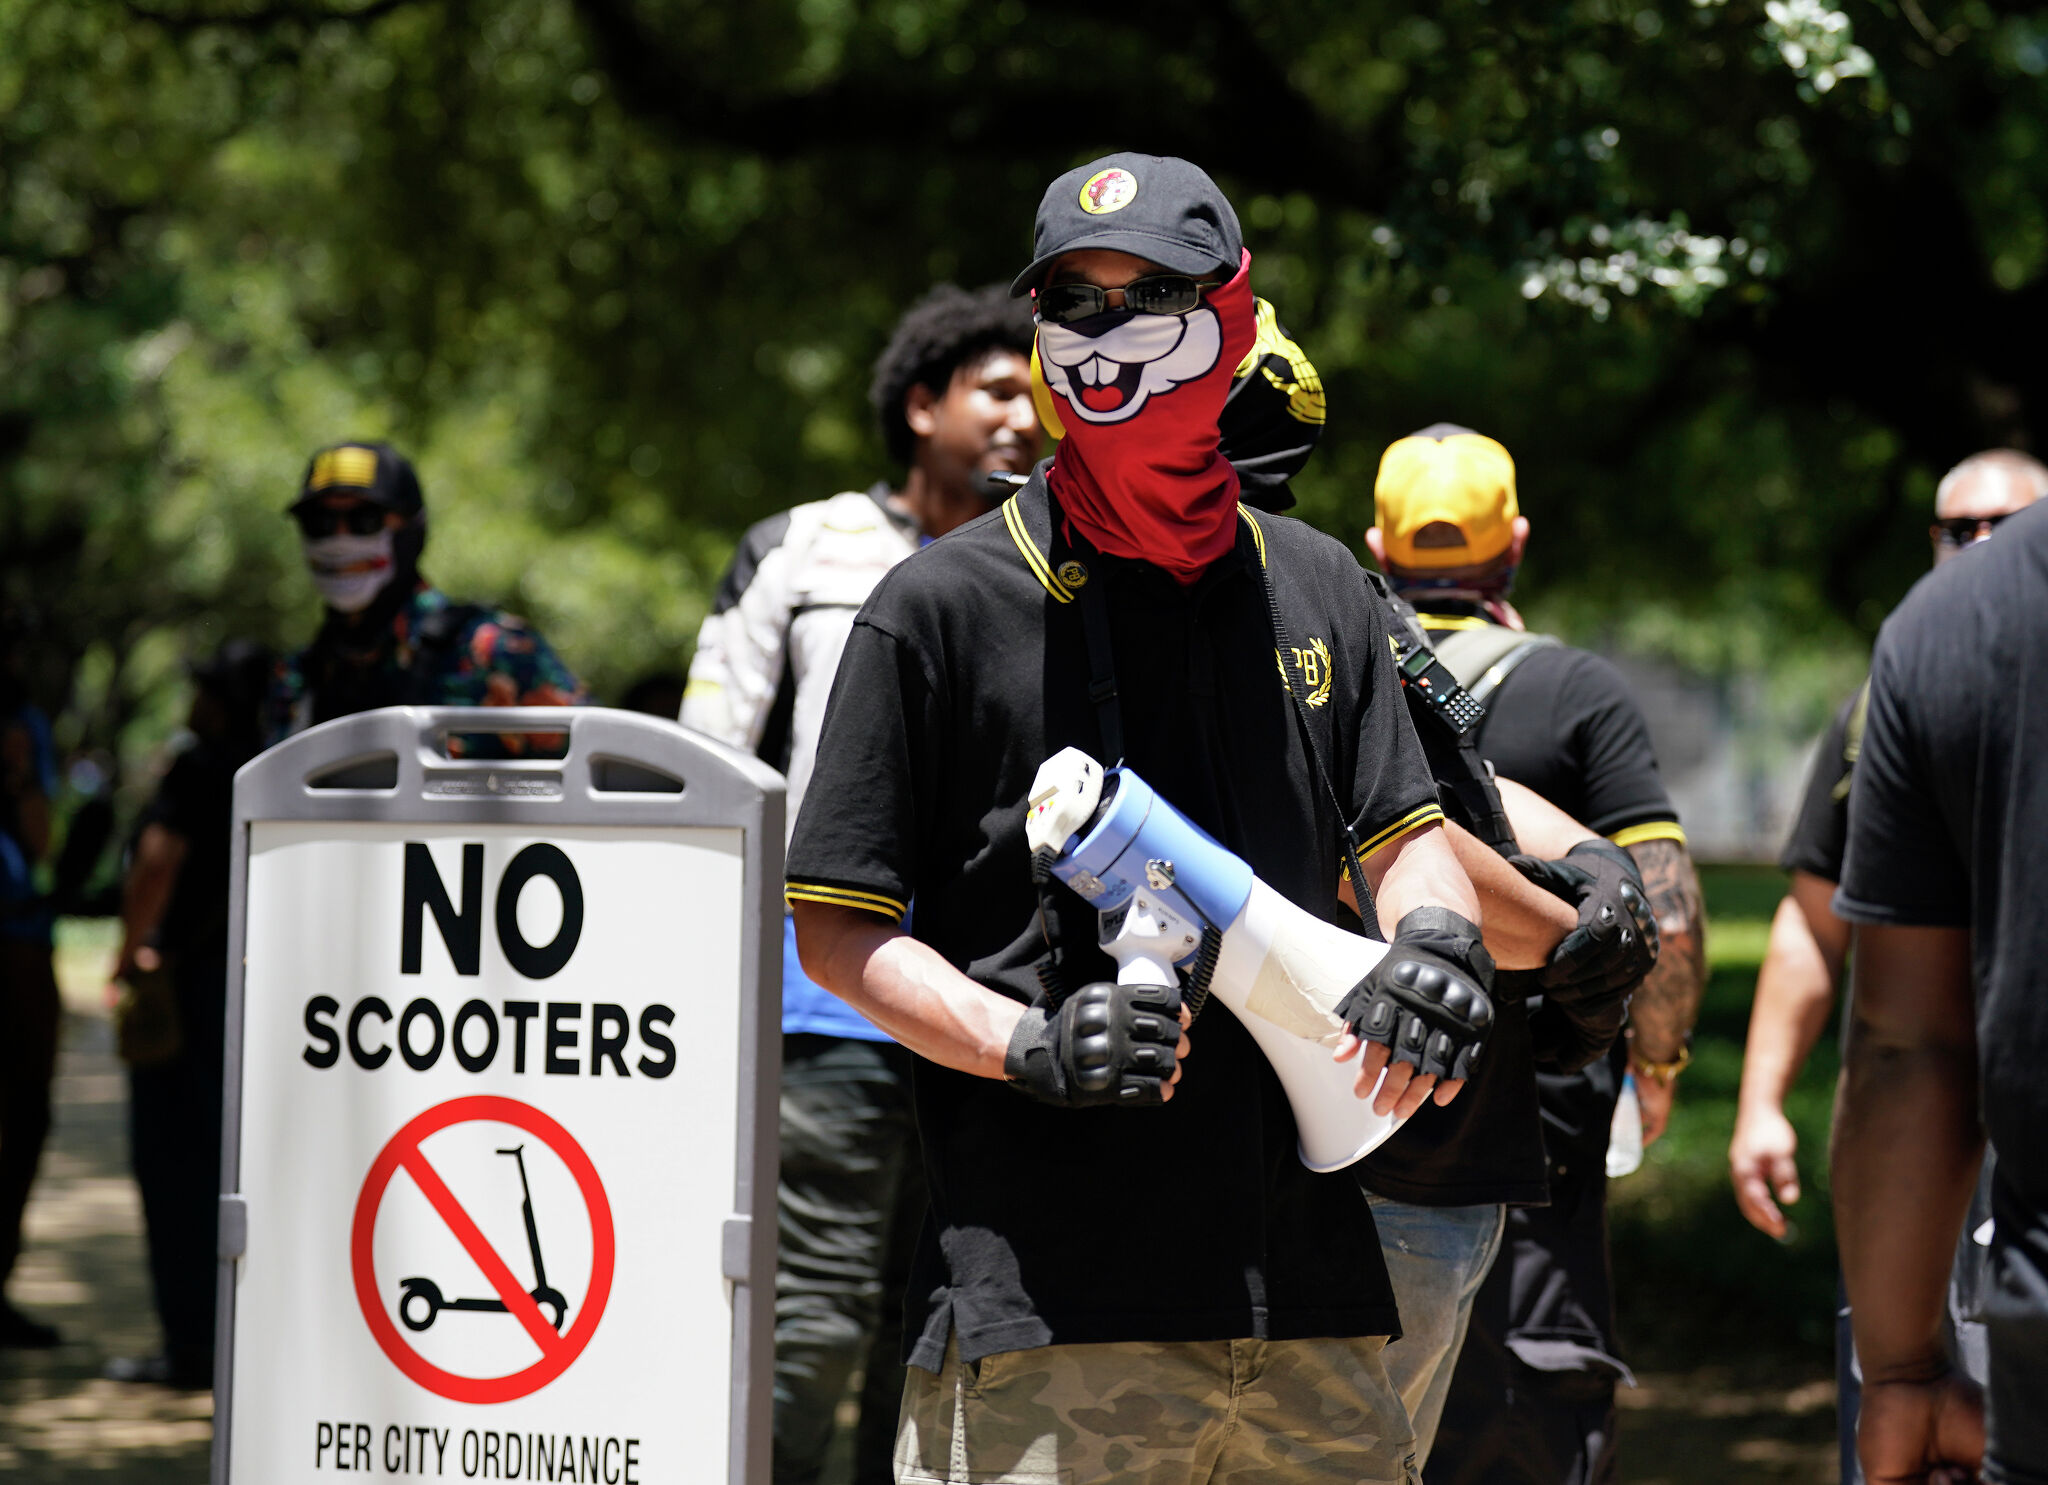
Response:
column 428, row 1295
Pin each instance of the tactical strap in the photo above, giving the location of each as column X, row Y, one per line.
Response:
column 1482, row 659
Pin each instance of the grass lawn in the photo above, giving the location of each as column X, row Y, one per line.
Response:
column 1696, row 1284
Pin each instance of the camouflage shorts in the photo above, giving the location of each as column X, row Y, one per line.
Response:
column 1145, row 1413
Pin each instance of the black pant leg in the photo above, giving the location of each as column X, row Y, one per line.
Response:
column 30, row 1013
column 881, row 1393
column 175, row 1112
column 847, row 1135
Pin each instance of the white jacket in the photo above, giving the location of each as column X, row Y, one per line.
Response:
column 771, row 645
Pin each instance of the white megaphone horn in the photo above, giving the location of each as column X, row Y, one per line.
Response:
column 1170, row 896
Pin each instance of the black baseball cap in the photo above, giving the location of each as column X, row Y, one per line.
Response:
column 1152, row 205
column 369, row 471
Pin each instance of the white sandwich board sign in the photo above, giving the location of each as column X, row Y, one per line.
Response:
column 499, row 1160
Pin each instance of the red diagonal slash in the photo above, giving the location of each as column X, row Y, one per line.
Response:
column 479, row 1248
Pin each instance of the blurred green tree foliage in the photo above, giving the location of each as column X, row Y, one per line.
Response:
column 1735, row 282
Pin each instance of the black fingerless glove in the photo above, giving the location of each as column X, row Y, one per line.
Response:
column 1428, row 999
column 1105, row 1044
column 1615, row 942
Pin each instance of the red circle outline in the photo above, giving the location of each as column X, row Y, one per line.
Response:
column 604, row 1250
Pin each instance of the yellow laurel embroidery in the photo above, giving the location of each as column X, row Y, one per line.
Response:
column 1315, row 668
column 353, row 467
column 1315, row 671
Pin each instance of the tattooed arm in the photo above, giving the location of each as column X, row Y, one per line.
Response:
column 1668, row 1000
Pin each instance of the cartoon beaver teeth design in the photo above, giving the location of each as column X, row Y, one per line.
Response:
column 1107, row 367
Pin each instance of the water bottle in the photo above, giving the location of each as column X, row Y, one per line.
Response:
column 1625, row 1138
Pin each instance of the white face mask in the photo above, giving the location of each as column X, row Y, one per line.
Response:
column 349, row 570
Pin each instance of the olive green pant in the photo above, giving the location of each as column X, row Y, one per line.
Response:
column 1145, row 1413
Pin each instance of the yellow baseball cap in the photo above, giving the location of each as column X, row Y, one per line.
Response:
column 1445, row 476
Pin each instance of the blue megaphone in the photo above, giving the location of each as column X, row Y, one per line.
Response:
column 1172, row 898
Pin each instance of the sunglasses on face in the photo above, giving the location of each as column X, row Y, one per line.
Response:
column 1961, row 531
column 358, row 519
column 1163, row 294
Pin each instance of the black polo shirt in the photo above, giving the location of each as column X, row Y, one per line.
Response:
column 1566, row 725
column 1947, row 816
column 1820, row 831
column 965, row 671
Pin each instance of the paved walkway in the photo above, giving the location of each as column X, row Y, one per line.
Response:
column 61, row 1424
column 84, row 1271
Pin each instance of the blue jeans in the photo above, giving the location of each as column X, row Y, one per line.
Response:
column 1437, row 1258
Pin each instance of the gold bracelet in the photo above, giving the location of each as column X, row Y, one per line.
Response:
column 1665, row 1073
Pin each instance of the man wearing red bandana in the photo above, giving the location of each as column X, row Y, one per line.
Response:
column 1133, row 1278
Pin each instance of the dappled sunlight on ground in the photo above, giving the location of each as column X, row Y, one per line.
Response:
column 1718, row 1424
column 84, row 1271
column 1766, row 1419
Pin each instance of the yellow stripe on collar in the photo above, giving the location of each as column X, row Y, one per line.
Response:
column 1013, row 518
column 1258, row 534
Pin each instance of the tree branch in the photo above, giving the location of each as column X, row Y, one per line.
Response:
column 263, row 19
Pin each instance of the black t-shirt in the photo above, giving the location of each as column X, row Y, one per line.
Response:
column 195, row 802
column 1820, row 831
column 966, row 670
column 1564, row 724
column 1949, row 810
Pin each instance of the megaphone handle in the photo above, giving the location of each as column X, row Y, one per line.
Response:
column 1149, row 938
column 1134, row 966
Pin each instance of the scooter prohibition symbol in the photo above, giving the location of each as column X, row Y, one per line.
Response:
column 419, row 1299
column 428, row 1293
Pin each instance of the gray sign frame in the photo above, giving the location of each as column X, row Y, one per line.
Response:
column 619, row 769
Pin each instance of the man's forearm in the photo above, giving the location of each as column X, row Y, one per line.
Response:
column 1795, row 993
column 1419, row 870
column 146, row 894
column 1668, row 1000
column 906, row 987
column 1522, row 922
column 1907, row 1142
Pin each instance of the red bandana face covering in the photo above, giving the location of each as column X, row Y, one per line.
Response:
column 1137, row 397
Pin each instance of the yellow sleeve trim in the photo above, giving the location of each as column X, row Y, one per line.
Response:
column 1635, row 835
column 871, row 902
column 1453, row 621
column 1409, row 823
column 1013, row 518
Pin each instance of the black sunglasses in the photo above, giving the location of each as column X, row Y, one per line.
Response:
column 358, row 519
column 1163, row 294
column 1960, row 531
